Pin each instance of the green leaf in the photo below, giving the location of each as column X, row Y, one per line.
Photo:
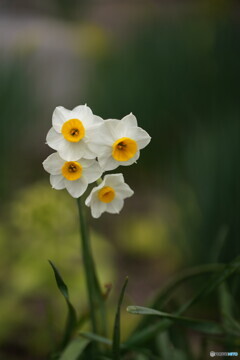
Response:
column 97, row 338
column 74, row 349
column 149, row 331
column 71, row 317
column 213, row 283
column 206, row 327
column 166, row 292
column 227, row 307
column 167, row 349
column 116, row 331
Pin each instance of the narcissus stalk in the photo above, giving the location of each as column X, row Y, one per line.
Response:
column 95, row 295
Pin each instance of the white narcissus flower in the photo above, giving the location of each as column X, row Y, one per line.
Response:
column 109, row 195
column 117, row 142
column 69, row 134
column 72, row 175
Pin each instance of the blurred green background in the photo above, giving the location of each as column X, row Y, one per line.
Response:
column 175, row 65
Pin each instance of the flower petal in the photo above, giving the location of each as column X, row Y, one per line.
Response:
column 54, row 139
column 71, row 151
column 140, row 136
column 53, row 164
column 93, row 172
column 90, row 196
column 88, row 154
column 97, row 208
column 117, row 182
column 83, row 113
column 107, row 162
column 76, row 188
column 130, row 161
column 57, row 182
column 97, row 120
column 101, row 135
column 113, row 179
column 60, row 115
column 126, row 124
column 115, row 206
column 123, row 190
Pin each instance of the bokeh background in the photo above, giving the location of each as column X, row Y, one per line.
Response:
column 175, row 65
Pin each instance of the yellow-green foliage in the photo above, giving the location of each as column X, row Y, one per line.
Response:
column 41, row 224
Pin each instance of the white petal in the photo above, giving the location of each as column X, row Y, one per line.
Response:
column 130, row 161
column 60, row 115
column 123, row 190
column 53, row 164
column 112, row 128
column 57, row 182
column 77, row 187
column 88, row 154
column 99, row 150
column 86, row 162
column 93, row 172
column 115, row 206
column 125, row 124
column 71, row 151
column 100, row 135
column 97, row 208
column 89, row 199
column 84, row 114
column 54, row 139
column 114, row 179
column 108, row 162
column 97, row 120
column 130, row 120
column 140, row 136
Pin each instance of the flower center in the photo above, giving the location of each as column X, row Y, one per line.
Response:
column 106, row 194
column 73, row 130
column 72, row 170
column 124, row 149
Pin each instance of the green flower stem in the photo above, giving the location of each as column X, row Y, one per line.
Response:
column 96, row 298
column 91, row 279
column 99, row 181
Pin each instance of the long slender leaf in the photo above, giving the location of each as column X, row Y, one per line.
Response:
column 212, row 284
column 149, row 331
column 74, row 349
column 71, row 317
column 97, row 338
column 227, row 307
column 116, row 332
column 166, row 291
column 167, row 349
column 207, row 327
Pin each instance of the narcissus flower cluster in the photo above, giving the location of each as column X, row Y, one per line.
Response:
column 87, row 146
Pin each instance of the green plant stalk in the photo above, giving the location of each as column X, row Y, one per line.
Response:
column 95, row 297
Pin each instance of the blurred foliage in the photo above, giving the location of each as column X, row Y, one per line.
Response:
column 42, row 224
column 17, row 109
